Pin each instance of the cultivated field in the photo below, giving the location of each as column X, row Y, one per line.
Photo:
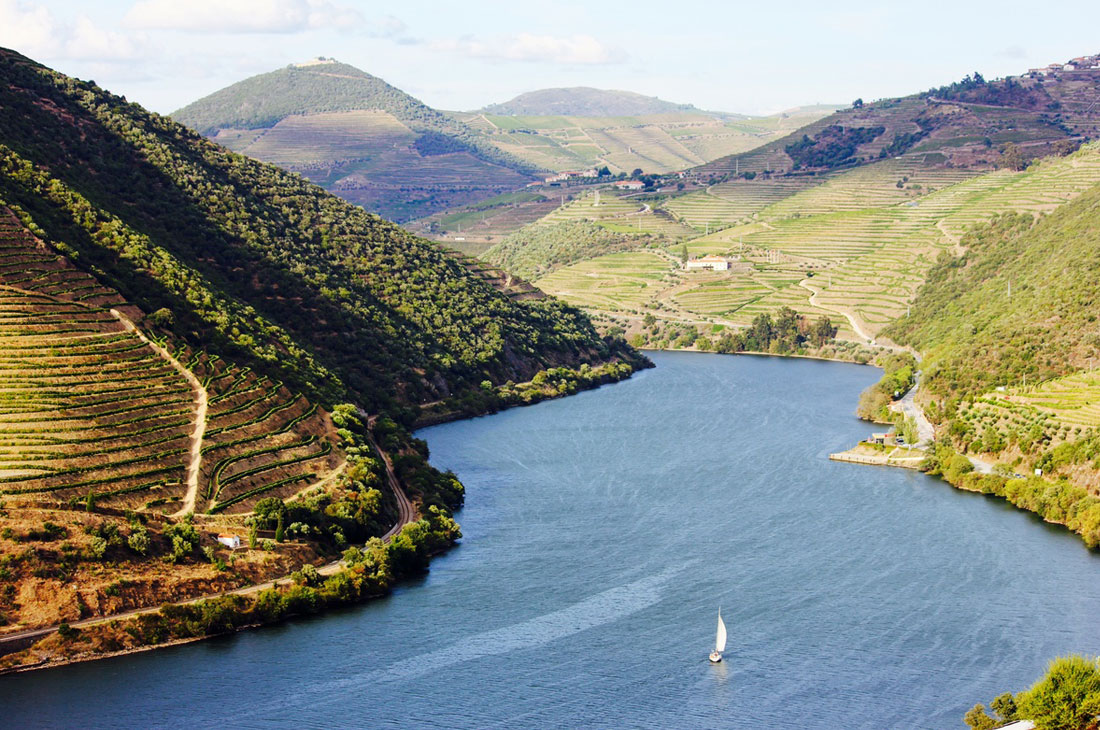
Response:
column 95, row 409
column 853, row 245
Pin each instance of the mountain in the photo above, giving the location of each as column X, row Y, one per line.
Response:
column 653, row 142
column 584, row 101
column 187, row 330
column 971, row 123
column 356, row 135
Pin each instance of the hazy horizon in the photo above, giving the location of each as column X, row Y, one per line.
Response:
column 753, row 60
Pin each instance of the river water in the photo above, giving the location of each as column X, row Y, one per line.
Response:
column 602, row 533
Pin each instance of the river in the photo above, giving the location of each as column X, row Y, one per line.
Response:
column 602, row 533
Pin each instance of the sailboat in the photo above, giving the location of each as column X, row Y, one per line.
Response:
column 719, row 640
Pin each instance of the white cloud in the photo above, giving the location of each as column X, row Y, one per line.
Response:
column 28, row 29
column 242, row 16
column 32, row 30
column 571, row 50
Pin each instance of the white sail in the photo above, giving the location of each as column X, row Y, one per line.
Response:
column 720, row 642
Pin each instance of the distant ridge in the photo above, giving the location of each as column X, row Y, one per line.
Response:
column 358, row 136
column 584, row 101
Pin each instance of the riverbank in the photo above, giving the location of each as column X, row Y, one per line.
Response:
column 405, row 551
column 545, row 385
column 365, row 574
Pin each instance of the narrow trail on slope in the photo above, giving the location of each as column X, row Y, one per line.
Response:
column 194, row 462
column 843, row 312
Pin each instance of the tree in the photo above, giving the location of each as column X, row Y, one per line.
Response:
column 683, row 253
column 604, row 171
column 1067, row 698
column 823, row 331
column 1012, row 158
column 1004, row 706
column 138, row 541
column 977, row 718
column 857, row 104
column 636, row 172
column 163, row 317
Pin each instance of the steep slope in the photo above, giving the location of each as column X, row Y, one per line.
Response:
column 358, row 136
column 1020, row 303
column 185, row 330
column 584, row 101
column 970, row 123
column 1010, row 331
column 261, row 261
column 1011, row 340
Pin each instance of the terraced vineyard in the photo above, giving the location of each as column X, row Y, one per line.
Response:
column 736, row 201
column 618, row 213
column 1063, row 407
column 316, row 139
column 616, row 282
column 92, row 408
column 854, row 246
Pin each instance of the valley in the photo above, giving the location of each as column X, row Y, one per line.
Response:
column 232, row 338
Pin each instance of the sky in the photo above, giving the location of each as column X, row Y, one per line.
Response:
column 749, row 57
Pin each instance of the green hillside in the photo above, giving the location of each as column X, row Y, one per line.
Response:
column 1020, row 303
column 1009, row 330
column 536, row 250
column 193, row 342
column 173, row 220
column 358, row 136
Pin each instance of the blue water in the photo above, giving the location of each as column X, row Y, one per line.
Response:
column 602, row 532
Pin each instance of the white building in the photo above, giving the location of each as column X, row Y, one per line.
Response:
column 230, row 541
column 708, row 263
column 629, row 184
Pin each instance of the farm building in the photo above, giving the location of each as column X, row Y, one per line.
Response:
column 629, row 185
column 230, row 541
column 709, row 263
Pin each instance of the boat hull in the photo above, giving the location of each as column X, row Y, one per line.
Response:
column 715, row 657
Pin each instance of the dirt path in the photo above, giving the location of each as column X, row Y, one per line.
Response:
column 194, row 462
column 843, row 312
column 201, row 400
column 407, row 514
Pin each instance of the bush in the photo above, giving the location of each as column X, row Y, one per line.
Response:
column 1067, row 698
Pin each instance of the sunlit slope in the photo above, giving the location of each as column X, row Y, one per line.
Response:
column 653, row 142
column 92, row 409
column 855, row 246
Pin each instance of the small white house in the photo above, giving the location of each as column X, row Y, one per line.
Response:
column 708, row 263
column 629, row 184
column 230, row 541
